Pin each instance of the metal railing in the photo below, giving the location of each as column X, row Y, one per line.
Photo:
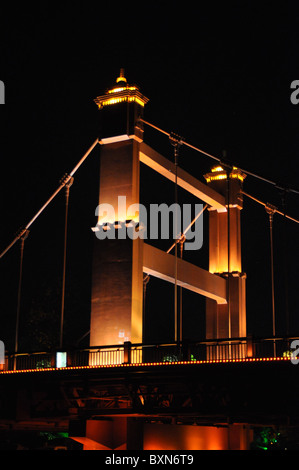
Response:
column 127, row 353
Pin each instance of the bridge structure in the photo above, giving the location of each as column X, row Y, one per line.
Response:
column 120, row 392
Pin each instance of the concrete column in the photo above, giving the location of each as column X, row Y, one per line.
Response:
column 225, row 257
column 117, row 276
column 117, row 285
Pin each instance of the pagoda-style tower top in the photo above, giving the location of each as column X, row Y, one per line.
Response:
column 220, row 173
column 121, row 92
column 217, row 179
column 121, row 107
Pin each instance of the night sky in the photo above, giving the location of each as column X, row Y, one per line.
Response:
column 219, row 76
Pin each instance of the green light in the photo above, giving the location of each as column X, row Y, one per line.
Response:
column 267, row 438
column 51, row 435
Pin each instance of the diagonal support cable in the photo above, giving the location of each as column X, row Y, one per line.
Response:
column 183, row 236
column 269, row 205
column 62, row 185
column 219, row 160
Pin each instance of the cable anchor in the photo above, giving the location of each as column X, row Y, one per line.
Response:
column 270, row 209
column 182, row 239
column 175, row 140
column 67, row 180
column 22, row 234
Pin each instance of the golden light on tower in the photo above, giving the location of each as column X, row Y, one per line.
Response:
column 117, row 289
column 225, row 253
column 219, row 173
column 121, row 92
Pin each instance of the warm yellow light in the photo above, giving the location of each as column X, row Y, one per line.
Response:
column 117, row 90
column 216, row 178
column 238, row 176
column 150, row 364
column 112, row 101
column 217, row 168
column 121, row 78
column 218, row 173
column 121, row 99
column 121, row 93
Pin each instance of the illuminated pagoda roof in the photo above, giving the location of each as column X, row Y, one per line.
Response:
column 219, row 173
column 121, row 92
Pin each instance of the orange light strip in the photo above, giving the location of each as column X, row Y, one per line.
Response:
column 117, row 90
column 148, row 364
column 120, row 100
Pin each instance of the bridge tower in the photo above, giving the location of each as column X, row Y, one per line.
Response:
column 119, row 262
column 227, row 320
column 117, row 278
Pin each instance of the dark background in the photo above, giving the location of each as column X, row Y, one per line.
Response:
column 219, row 76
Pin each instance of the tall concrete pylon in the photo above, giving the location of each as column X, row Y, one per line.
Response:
column 117, row 284
column 225, row 257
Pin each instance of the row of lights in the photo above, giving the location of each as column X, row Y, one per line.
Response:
column 110, row 101
column 147, row 364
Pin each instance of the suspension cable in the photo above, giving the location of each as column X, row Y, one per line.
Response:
column 183, row 236
column 271, row 210
column 62, row 185
column 269, row 205
column 181, row 240
column 182, row 141
column 68, row 181
column 23, row 237
column 175, row 141
column 266, row 180
column 228, row 285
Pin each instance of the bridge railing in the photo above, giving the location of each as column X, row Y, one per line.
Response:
column 127, row 353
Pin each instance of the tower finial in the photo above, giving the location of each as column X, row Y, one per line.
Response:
column 121, row 77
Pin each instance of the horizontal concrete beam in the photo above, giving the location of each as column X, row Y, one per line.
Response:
column 159, row 264
column 166, row 168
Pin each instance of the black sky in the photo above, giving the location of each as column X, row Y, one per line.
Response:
column 217, row 75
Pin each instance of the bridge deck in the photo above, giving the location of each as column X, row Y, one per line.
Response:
column 236, row 381
column 251, row 391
